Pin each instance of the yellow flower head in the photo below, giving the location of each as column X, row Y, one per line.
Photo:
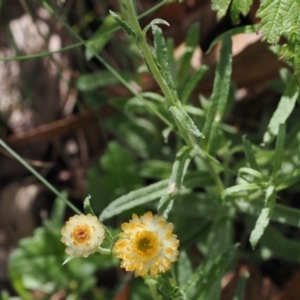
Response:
column 82, row 235
column 147, row 245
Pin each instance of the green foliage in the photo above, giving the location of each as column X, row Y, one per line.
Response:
column 37, row 263
column 147, row 165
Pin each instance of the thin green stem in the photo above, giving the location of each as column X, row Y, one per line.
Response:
column 104, row 251
column 152, row 286
column 189, row 139
column 108, row 67
column 147, row 53
column 39, row 177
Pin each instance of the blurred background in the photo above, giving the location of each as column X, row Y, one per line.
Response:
column 66, row 115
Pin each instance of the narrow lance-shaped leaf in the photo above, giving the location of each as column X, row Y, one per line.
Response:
column 87, row 206
column 179, row 168
column 124, row 25
column 134, row 198
column 161, row 54
column 155, row 22
column 283, row 111
column 220, row 90
column 180, row 114
column 250, row 154
column 240, row 190
column 281, row 213
column 279, row 149
column 240, row 290
column 264, row 217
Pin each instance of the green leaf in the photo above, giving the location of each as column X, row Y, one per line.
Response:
column 185, row 120
column 58, row 211
column 169, row 289
column 206, row 278
column 240, row 190
column 286, row 248
column 257, row 175
column 264, row 217
column 87, row 206
column 250, row 154
column 237, row 7
column 134, row 198
column 287, row 180
column 192, row 83
column 232, row 32
column 277, row 17
column 281, row 213
column 220, row 235
column 121, row 175
column 284, row 109
column 124, row 25
column 92, row 81
column 101, row 37
column 240, row 290
column 279, row 150
column 36, row 264
column 161, row 54
column 220, row 92
column 155, row 22
column 179, row 168
column 221, row 7
column 184, row 268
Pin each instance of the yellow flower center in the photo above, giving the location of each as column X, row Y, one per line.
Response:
column 145, row 243
column 81, row 235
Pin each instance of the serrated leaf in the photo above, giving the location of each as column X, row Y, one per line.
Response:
column 155, row 22
column 264, row 217
column 220, row 92
column 273, row 14
column 185, row 120
column 124, row 25
column 221, row 7
column 284, row 109
column 237, row 7
column 179, row 169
